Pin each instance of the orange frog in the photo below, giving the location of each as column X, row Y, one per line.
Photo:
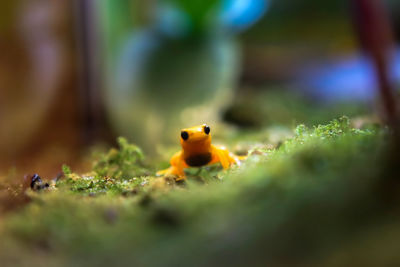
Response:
column 198, row 151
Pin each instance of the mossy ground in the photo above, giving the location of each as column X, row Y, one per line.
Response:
column 319, row 197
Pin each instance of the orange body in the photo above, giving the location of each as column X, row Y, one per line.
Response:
column 198, row 151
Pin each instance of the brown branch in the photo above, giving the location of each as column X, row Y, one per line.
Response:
column 375, row 33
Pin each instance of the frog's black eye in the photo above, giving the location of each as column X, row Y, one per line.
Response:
column 184, row 135
column 207, row 129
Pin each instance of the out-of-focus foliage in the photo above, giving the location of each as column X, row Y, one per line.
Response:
column 197, row 10
column 259, row 109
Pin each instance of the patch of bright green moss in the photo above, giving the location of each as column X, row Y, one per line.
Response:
column 120, row 171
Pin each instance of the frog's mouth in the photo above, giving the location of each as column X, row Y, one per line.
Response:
column 197, row 139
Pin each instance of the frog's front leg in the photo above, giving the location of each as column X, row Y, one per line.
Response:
column 177, row 167
column 222, row 155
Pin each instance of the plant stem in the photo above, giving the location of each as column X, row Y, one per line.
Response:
column 374, row 31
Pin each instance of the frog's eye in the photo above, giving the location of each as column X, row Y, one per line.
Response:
column 184, row 135
column 207, row 129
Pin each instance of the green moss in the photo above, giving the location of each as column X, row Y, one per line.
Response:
column 119, row 171
column 299, row 202
column 124, row 163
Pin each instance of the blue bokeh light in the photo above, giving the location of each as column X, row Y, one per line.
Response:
column 232, row 16
column 349, row 79
column 239, row 15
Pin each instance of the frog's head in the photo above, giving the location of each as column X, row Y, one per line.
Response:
column 196, row 137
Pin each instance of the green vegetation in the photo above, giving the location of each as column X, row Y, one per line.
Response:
column 118, row 171
column 317, row 198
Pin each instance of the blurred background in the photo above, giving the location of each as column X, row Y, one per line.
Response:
column 78, row 73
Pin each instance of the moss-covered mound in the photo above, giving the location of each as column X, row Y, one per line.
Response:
column 323, row 197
